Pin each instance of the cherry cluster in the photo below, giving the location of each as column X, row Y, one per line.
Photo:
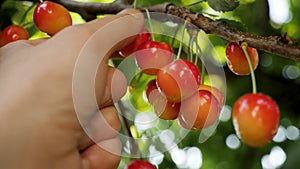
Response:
column 176, row 92
column 255, row 115
column 49, row 17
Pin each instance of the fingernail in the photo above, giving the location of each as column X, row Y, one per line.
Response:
column 84, row 164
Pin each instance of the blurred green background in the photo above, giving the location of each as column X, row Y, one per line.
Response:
column 167, row 145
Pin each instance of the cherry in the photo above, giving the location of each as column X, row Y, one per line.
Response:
column 199, row 111
column 237, row 61
column 144, row 36
column 164, row 109
column 152, row 56
column 178, row 80
column 215, row 91
column 140, row 164
column 13, row 33
column 255, row 119
column 51, row 17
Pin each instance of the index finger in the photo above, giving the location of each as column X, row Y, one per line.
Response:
column 91, row 64
column 113, row 29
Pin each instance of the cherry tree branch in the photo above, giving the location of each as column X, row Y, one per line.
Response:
column 277, row 45
column 89, row 10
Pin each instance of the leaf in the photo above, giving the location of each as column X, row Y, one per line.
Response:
column 223, row 5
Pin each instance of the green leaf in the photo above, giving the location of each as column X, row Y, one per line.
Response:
column 223, row 5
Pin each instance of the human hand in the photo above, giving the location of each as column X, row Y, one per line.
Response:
column 56, row 103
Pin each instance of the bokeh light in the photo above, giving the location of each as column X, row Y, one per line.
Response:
column 279, row 11
column 167, row 137
column 194, row 160
column 233, row 142
column 290, row 72
column 275, row 159
column 144, row 121
column 266, row 60
column 292, row 132
column 179, row 156
column 280, row 135
column 225, row 113
column 189, row 157
column 155, row 157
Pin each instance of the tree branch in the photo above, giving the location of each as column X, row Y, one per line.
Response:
column 89, row 10
column 277, row 45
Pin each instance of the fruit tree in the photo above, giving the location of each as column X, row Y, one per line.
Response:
column 211, row 83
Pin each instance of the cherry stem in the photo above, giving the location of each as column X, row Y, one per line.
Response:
column 199, row 51
column 191, row 47
column 181, row 41
column 150, row 24
column 174, row 35
column 133, row 145
column 254, row 89
column 134, row 4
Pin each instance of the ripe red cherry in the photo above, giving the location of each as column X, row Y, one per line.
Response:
column 215, row 91
column 13, row 33
column 255, row 119
column 143, row 37
column 199, row 111
column 164, row 109
column 178, row 80
column 140, row 164
column 237, row 61
column 152, row 56
column 51, row 17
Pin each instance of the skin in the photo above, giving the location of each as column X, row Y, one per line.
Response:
column 39, row 127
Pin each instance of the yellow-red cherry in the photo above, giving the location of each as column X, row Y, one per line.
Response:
column 143, row 37
column 178, row 80
column 151, row 56
column 255, row 119
column 237, row 61
column 163, row 108
column 13, row 33
column 199, row 111
column 140, row 164
column 215, row 91
column 51, row 17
